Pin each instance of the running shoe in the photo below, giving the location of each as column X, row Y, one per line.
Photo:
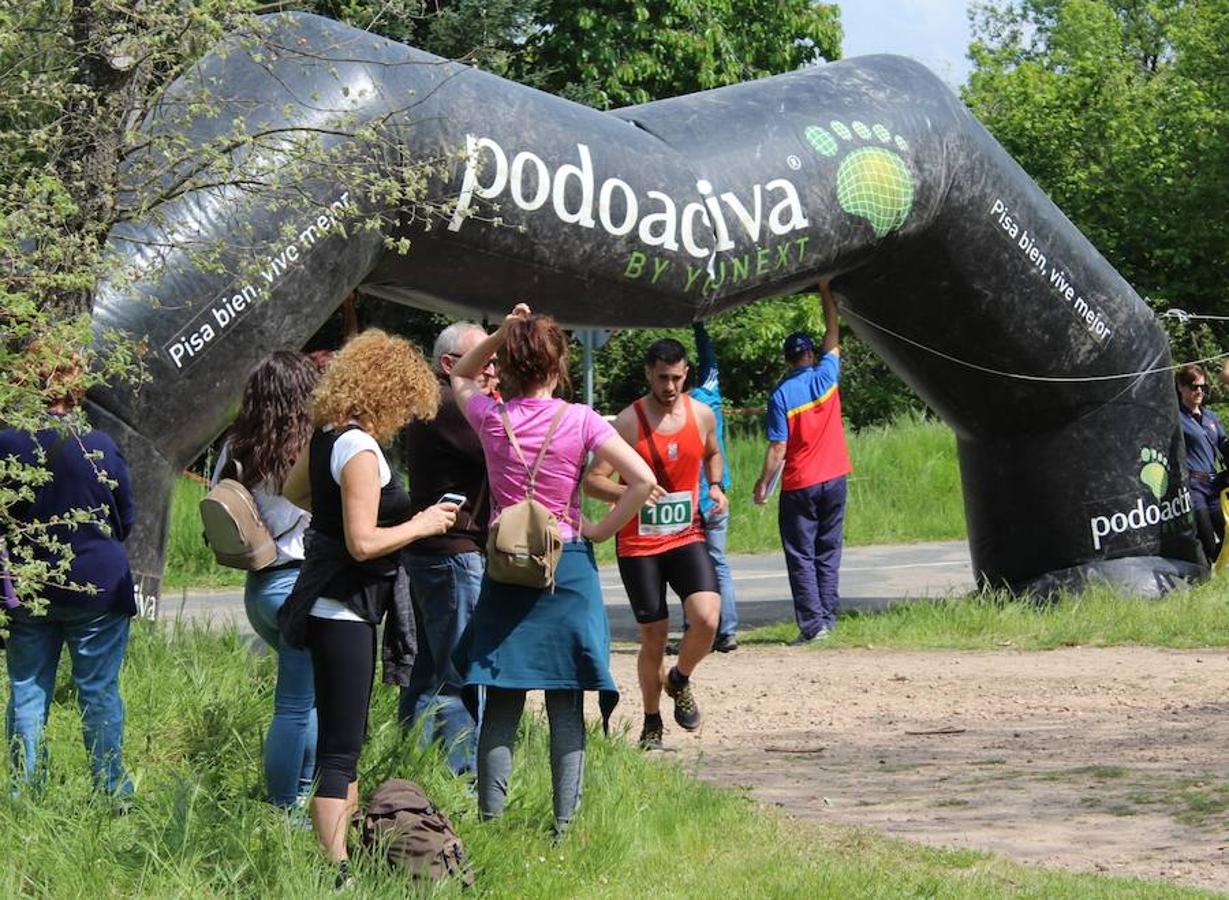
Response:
column 650, row 736
column 725, row 643
column 802, row 640
column 686, row 710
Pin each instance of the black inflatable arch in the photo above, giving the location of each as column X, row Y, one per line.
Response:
column 948, row 259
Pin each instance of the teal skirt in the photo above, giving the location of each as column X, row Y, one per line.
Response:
column 534, row 639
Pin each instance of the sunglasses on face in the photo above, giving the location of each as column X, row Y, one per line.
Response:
column 492, row 363
column 1197, row 387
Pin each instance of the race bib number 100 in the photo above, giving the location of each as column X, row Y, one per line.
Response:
column 669, row 515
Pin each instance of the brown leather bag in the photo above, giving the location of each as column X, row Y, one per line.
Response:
column 402, row 823
column 526, row 542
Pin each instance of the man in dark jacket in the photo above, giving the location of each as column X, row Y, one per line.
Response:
column 444, row 456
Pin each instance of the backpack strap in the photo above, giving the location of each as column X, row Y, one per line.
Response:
column 659, row 467
column 550, row 433
column 537, row 463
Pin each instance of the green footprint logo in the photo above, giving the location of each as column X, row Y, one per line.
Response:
column 873, row 182
column 1155, row 472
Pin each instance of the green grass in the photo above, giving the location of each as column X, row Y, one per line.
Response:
column 197, row 706
column 905, row 487
column 1097, row 617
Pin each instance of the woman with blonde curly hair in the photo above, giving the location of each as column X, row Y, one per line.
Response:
column 352, row 576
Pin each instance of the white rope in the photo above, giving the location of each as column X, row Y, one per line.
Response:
column 1052, row 379
column 1183, row 316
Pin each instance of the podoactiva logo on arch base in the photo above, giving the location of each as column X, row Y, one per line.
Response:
column 1146, row 511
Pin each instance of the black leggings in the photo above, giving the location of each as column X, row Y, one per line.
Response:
column 344, row 664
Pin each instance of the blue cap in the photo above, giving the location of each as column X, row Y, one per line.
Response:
column 797, row 344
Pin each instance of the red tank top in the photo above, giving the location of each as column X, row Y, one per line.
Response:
column 673, row 521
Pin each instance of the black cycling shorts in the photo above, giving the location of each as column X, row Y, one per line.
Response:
column 687, row 569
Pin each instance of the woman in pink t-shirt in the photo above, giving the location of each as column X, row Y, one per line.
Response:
column 520, row 638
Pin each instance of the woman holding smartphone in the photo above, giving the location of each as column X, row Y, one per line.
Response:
column 352, row 576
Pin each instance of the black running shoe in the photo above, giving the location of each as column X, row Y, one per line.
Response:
column 344, row 880
column 650, row 735
column 725, row 643
column 686, row 710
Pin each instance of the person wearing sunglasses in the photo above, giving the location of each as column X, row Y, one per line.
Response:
column 1206, row 449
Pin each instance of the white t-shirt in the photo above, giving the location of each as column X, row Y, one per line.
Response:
column 350, row 445
column 345, row 448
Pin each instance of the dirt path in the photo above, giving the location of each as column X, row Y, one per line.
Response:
column 1108, row 760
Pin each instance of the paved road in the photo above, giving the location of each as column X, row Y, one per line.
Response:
column 871, row 578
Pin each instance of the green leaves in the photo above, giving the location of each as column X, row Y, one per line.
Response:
column 1120, row 110
column 614, row 53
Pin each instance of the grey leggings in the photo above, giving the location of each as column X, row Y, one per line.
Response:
column 501, row 715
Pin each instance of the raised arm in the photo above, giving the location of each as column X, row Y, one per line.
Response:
column 832, row 325
column 465, row 373
column 706, row 356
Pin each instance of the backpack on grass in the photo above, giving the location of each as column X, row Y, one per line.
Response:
column 526, row 542
column 402, row 823
column 234, row 530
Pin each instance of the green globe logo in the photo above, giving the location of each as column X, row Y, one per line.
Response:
column 872, row 182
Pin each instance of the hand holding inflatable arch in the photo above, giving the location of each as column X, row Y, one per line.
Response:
column 950, row 262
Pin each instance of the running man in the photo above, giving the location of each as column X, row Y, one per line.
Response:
column 665, row 544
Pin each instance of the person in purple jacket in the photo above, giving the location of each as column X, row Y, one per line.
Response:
column 90, row 609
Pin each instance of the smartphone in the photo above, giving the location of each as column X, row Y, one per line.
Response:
column 450, row 497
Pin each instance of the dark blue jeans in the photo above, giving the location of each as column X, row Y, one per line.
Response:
column 812, row 523
column 446, row 590
column 96, row 644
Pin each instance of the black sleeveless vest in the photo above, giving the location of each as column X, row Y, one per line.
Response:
column 327, row 512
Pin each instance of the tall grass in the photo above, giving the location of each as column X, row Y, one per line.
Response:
column 1098, row 616
column 197, row 707
column 905, row 487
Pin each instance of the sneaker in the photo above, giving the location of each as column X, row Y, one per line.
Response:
column 121, row 806
column 725, row 643
column 686, row 710
column 802, row 640
column 650, row 735
column 344, row 880
column 672, row 646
